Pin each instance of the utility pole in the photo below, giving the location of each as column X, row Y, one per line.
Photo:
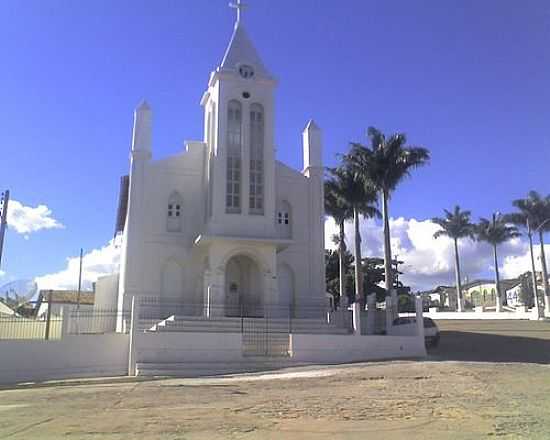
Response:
column 4, row 200
column 79, row 283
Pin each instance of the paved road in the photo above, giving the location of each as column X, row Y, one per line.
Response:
column 494, row 341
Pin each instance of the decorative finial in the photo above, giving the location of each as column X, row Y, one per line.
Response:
column 239, row 6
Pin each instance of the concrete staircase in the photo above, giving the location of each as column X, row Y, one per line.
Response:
column 201, row 324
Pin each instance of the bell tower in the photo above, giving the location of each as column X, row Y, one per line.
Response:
column 238, row 131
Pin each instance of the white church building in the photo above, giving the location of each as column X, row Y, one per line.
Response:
column 222, row 256
column 224, row 228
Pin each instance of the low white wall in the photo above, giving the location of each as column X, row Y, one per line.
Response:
column 188, row 347
column 72, row 356
column 351, row 348
column 481, row 315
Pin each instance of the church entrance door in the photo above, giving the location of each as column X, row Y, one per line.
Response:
column 243, row 287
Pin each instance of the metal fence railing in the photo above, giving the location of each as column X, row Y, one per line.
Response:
column 16, row 327
column 96, row 321
column 53, row 327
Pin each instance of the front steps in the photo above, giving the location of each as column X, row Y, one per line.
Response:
column 201, row 324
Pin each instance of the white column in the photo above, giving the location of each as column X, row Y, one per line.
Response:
column 371, row 314
column 389, row 314
column 134, row 325
column 357, row 318
column 419, row 317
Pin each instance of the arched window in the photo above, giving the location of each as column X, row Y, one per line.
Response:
column 283, row 221
column 174, row 213
column 234, row 140
column 256, row 198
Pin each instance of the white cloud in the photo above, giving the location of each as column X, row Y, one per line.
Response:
column 96, row 263
column 26, row 219
column 2, row 274
column 429, row 262
column 514, row 265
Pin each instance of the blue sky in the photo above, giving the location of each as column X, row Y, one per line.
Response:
column 468, row 80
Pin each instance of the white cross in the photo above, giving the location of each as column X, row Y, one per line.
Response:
column 239, row 6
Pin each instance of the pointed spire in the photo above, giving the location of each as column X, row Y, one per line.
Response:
column 240, row 50
column 311, row 125
column 141, row 136
column 312, row 146
column 143, row 105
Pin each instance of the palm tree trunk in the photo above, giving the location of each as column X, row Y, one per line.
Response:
column 460, row 302
column 497, row 280
column 387, row 249
column 358, row 268
column 533, row 272
column 341, row 250
column 544, row 273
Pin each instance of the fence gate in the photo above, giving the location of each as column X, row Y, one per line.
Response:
column 266, row 336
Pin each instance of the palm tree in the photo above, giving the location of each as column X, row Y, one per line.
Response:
column 362, row 200
column 338, row 208
column 495, row 232
column 542, row 225
column 385, row 164
column 455, row 225
column 532, row 215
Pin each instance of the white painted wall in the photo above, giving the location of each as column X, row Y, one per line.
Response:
column 72, row 356
column 482, row 315
column 106, row 290
column 188, row 347
column 344, row 348
column 306, row 348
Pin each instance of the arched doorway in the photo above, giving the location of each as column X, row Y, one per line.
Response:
column 243, row 287
column 285, row 285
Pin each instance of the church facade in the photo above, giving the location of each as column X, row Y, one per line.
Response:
column 224, row 228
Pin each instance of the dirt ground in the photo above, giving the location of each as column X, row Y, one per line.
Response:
column 412, row 400
column 433, row 399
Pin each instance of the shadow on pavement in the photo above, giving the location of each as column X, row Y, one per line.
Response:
column 485, row 347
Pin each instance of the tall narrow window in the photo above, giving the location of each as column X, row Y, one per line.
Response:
column 256, row 201
column 234, row 120
column 174, row 213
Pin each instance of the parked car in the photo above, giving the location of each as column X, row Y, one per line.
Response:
column 403, row 326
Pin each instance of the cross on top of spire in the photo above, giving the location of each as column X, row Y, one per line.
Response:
column 239, row 6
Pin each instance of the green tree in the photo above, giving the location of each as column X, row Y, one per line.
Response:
column 333, row 276
column 456, row 225
column 362, row 200
column 384, row 165
column 495, row 232
column 337, row 206
column 526, row 289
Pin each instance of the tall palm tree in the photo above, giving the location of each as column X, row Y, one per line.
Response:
column 532, row 215
column 385, row 164
column 456, row 225
column 338, row 208
column 495, row 232
column 362, row 200
column 542, row 226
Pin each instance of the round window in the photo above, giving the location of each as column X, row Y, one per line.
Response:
column 246, row 71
